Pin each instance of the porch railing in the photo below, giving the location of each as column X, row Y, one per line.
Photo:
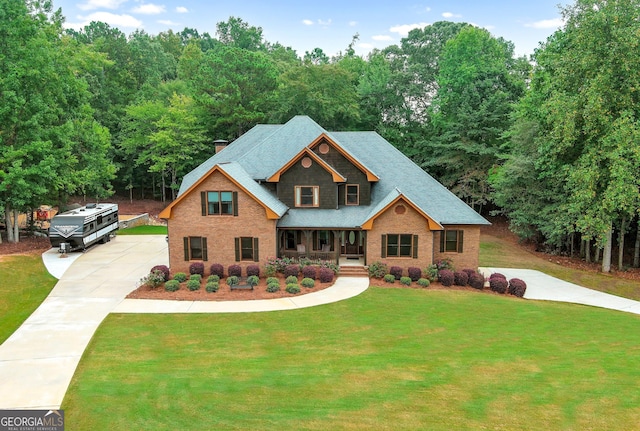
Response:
column 313, row 255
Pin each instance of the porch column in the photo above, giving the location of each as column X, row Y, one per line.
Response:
column 307, row 243
column 336, row 245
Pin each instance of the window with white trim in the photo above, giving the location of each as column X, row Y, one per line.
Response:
column 307, row 196
column 352, row 195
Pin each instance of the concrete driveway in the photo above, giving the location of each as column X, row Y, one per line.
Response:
column 38, row 361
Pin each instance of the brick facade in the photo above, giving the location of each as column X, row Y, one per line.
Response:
column 469, row 258
column 220, row 230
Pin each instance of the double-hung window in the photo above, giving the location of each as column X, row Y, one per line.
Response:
column 247, row 249
column 307, row 196
column 195, row 248
column 451, row 241
column 400, row 245
column 219, row 203
column 352, row 194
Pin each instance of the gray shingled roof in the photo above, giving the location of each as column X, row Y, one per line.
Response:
column 265, row 149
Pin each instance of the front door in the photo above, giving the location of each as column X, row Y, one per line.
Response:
column 351, row 243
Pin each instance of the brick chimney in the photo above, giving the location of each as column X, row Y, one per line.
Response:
column 220, row 145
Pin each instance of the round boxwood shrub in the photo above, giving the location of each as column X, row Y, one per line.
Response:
column 291, row 279
column 214, row 278
column 293, row 288
column 271, row 280
column 212, row 286
column 196, row 268
column 235, row 270
column 217, row 269
column 476, row 280
column 193, row 284
column 414, row 273
column 180, row 277
column 164, row 269
column 445, row 277
column 517, row 287
column 290, row 270
column 172, row 285
column 253, row 280
column 253, row 270
column 405, row 280
column 325, row 275
column 424, row 282
column 460, row 278
column 196, row 277
column 273, row 287
column 389, row 278
column 498, row 284
column 310, row 272
column 396, row 271
column 233, row 280
column 307, row 282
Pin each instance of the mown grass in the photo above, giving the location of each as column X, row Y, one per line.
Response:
column 388, row 359
column 496, row 252
column 25, row 284
column 143, row 230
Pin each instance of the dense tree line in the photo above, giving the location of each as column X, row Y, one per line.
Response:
column 551, row 141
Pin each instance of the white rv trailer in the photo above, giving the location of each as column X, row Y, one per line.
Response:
column 79, row 228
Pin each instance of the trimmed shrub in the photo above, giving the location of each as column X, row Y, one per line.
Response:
column 253, row 270
column 446, row 277
column 431, row 272
column 469, row 271
column 497, row 275
column 405, row 280
column 414, row 273
column 273, row 287
column 389, row 278
column 164, row 269
column 310, row 272
column 325, row 275
column 193, row 284
column 253, row 280
column 235, row 270
column 460, row 278
column 271, row 280
column 196, row 268
column 476, row 280
column 213, row 278
column 154, row 279
column 293, row 288
column 291, row 279
column 290, row 270
column 233, row 280
column 498, row 284
column 212, row 286
column 378, row 269
column 424, row 282
column 217, row 269
column 196, row 277
column 396, row 271
column 180, row 277
column 172, row 285
column 307, row 282
column 517, row 287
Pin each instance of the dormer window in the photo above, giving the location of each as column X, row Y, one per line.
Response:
column 353, row 194
column 307, row 196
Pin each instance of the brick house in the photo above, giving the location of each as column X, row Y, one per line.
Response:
column 296, row 190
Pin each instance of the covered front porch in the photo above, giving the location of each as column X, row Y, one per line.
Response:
column 344, row 247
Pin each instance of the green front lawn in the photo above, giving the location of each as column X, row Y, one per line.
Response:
column 388, row 359
column 143, row 230
column 25, row 284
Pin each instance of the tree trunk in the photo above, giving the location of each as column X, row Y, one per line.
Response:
column 606, row 258
column 621, row 243
column 582, row 247
column 587, row 251
column 597, row 256
column 636, row 250
column 164, row 189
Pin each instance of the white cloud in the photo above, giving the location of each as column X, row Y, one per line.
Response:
column 547, row 24
column 149, row 9
column 307, row 22
column 382, row 37
column 126, row 21
column 451, row 15
column 101, row 4
column 353, row 23
column 404, row 29
column 325, row 23
column 182, row 9
column 168, row 23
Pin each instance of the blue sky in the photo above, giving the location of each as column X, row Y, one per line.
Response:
column 327, row 24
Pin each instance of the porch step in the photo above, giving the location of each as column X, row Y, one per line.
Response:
column 353, row 271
